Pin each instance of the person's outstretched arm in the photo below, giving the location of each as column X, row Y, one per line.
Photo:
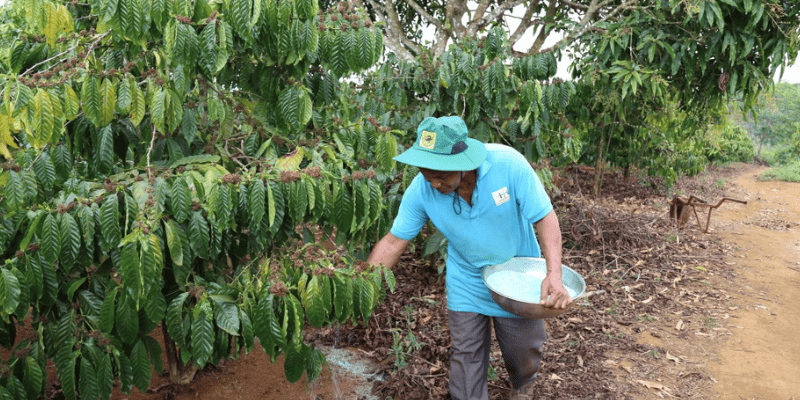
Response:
column 388, row 250
column 549, row 234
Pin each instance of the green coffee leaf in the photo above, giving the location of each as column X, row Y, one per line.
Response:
column 130, row 268
column 9, row 293
column 154, row 350
column 87, row 384
column 109, row 221
column 175, row 327
column 137, row 107
column 106, row 322
column 314, row 362
column 181, row 200
column 33, row 377
column 90, row 97
column 388, row 276
column 127, row 319
column 65, row 367
column 199, row 234
column 105, row 376
column 367, row 298
column 313, row 302
column 296, row 320
column 34, row 278
column 155, row 305
column 247, row 332
column 51, row 239
column 108, row 102
column 342, row 296
column 175, row 245
column 294, row 365
column 140, row 366
column 227, row 316
column 125, row 371
column 343, row 208
column 202, row 337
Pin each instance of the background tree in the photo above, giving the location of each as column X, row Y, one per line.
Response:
column 774, row 122
column 647, row 76
column 454, row 21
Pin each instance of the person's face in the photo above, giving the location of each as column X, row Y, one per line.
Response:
column 443, row 181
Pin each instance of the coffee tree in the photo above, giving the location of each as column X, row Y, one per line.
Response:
column 674, row 67
column 157, row 155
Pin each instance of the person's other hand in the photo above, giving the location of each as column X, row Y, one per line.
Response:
column 553, row 287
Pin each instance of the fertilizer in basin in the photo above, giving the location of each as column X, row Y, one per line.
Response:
column 525, row 287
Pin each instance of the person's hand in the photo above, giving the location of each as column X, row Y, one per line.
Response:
column 552, row 286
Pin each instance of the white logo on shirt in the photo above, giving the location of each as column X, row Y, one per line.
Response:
column 501, row 196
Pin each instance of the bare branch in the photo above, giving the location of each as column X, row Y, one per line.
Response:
column 587, row 22
column 455, row 13
column 421, row 11
column 395, row 39
column 228, row 153
column 91, row 46
column 575, row 6
column 150, row 150
column 452, row 28
column 543, row 33
column 524, row 24
column 477, row 24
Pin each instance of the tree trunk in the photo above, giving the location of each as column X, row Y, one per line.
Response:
column 598, row 170
column 178, row 373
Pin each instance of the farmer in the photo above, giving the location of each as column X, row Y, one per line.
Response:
column 486, row 200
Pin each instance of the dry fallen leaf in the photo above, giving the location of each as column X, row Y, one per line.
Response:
column 672, row 358
column 653, row 385
column 679, row 326
column 434, row 369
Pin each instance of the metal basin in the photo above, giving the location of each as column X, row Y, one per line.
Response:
column 517, row 283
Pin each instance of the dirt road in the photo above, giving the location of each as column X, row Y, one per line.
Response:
column 761, row 360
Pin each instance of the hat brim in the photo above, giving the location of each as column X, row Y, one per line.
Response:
column 469, row 159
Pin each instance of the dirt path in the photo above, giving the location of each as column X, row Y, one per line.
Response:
column 761, row 359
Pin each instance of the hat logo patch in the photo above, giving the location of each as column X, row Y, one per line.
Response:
column 428, row 140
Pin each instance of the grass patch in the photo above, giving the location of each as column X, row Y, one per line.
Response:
column 786, row 173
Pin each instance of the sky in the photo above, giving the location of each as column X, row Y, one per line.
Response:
column 792, row 74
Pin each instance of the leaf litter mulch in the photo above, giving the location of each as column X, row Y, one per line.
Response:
column 652, row 278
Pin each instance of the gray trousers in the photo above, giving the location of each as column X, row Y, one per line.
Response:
column 520, row 341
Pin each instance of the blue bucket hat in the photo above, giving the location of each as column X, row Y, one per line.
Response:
column 442, row 145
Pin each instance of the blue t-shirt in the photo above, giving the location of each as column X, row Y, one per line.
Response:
column 508, row 198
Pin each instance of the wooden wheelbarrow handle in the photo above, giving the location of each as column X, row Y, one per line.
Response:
column 704, row 204
column 710, row 209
